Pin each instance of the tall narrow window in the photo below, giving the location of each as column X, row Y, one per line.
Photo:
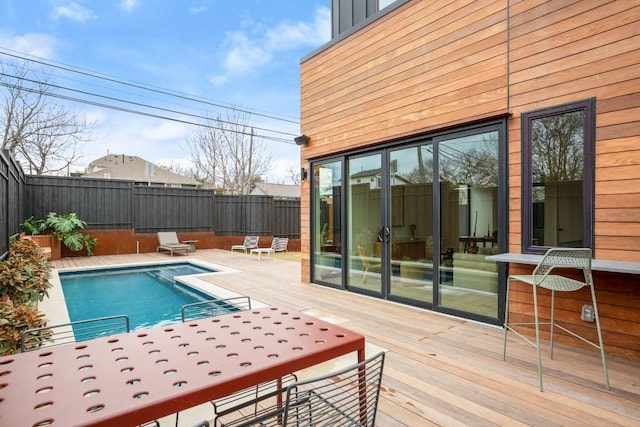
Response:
column 557, row 179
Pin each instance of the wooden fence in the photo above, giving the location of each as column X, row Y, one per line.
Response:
column 109, row 204
column 12, row 184
column 116, row 205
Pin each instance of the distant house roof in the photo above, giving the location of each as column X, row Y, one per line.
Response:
column 276, row 190
column 134, row 168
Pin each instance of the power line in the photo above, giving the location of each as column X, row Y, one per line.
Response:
column 124, row 101
column 139, row 86
column 142, row 113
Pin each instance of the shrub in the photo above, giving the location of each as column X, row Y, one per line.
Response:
column 14, row 319
column 67, row 228
column 25, row 274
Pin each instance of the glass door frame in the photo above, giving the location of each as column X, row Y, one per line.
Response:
column 499, row 124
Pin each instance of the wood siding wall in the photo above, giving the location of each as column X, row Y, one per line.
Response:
column 432, row 65
column 568, row 51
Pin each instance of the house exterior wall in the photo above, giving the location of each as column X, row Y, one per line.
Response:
column 432, row 65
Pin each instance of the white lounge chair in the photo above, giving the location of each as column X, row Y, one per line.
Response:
column 278, row 244
column 250, row 242
column 168, row 241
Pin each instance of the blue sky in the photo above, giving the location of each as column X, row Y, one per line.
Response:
column 242, row 53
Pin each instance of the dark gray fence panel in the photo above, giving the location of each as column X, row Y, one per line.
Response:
column 12, row 185
column 286, row 218
column 111, row 204
column 104, row 204
column 173, row 209
column 242, row 215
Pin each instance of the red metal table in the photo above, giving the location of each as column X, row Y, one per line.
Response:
column 131, row 378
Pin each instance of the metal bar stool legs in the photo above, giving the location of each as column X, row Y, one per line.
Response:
column 577, row 258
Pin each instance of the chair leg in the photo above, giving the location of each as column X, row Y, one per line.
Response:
column 506, row 322
column 365, row 269
column 599, row 329
column 552, row 323
column 536, row 321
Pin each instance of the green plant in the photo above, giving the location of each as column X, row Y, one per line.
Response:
column 32, row 226
column 15, row 319
column 25, row 274
column 67, row 228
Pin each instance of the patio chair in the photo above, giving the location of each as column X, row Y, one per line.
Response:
column 278, row 244
column 168, row 241
column 556, row 258
column 250, row 242
column 251, row 396
column 348, row 397
column 367, row 264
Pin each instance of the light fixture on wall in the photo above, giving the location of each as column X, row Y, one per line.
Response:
column 303, row 174
column 302, row 139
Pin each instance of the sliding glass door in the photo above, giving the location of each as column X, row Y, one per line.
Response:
column 414, row 223
column 366, row 223
column 411, row 207
column 468, row 183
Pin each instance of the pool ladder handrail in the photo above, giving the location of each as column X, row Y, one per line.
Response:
column 214, row 307
column 35, row 338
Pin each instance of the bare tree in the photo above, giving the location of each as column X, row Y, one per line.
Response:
column 226, row 153
column 42, row 134
column 557, row 147
column 294, row 176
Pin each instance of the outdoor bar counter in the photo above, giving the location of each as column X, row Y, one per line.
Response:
column 624, row 267
column 128, row 379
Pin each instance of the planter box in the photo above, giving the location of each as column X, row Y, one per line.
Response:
column 50, row 245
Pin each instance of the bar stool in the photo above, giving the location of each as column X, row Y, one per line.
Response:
column 575, row 258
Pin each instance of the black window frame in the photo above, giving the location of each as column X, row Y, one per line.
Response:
column 588, row 106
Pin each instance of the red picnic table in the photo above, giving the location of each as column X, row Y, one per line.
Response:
column 131, row 378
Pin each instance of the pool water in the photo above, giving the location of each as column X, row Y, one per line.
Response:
column 148, row 295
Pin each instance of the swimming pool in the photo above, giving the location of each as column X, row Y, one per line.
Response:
column 148, row 294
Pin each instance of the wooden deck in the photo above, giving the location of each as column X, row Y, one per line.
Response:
column 439, row 370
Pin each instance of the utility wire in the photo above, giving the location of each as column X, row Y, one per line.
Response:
column 127, row 102
column 142, row 113
column 140, row 86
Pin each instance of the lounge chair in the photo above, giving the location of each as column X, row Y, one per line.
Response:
column 278, row 244
column 250, row 242
column 168, row 241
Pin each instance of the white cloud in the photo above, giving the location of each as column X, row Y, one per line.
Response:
column 72, row 11
column 245, row 54
column 35, row 44
column 165, row 131
column 128, row 5
column 247, row 51
column 195, row 10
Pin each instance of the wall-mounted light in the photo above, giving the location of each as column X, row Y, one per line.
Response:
column 302, row 139
column 303, row 174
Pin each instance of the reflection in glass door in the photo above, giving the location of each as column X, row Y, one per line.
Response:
column 381, row 226
column 412, row 242
column 327, row 231
column 365, row 217
column 468, row 175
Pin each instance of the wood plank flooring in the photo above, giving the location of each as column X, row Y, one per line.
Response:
column 439, row 370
